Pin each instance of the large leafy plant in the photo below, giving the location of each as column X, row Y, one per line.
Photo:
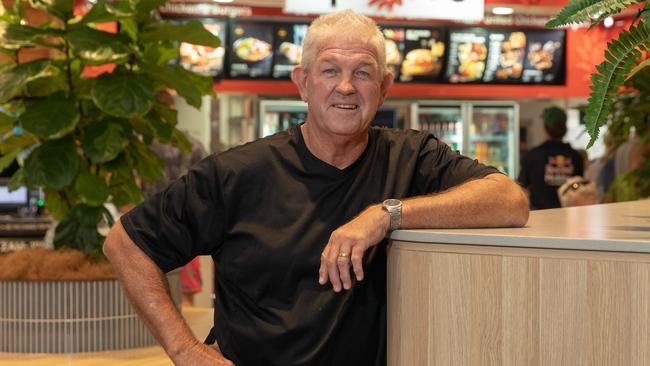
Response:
column 84, row 140
column 623, row 57
column 620, row 91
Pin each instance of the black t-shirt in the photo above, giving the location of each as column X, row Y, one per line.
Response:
column 545, row 168
column 265, row 211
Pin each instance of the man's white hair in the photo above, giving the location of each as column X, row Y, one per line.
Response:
column 343, row 25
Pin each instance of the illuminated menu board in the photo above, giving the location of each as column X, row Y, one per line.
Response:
column 544, row 62
column 394, row 49
column 259, row 49
column 287, row 47
column 468, row 55
column 208, row 61
column 506, row 55
column 250, row 50
column 424, row 50
column 528, row 57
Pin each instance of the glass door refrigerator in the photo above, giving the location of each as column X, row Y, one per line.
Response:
column 442, row 119
column 485, row 130
column 279, row 115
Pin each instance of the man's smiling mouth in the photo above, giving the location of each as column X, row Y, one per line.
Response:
column 345, row 106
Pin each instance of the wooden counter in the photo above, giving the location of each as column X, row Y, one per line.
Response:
column 571, row 288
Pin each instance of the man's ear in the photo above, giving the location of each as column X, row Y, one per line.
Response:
column 299, row 77
column 386, row 83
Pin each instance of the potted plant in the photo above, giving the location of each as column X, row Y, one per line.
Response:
column 84, row 140
column 620, row 91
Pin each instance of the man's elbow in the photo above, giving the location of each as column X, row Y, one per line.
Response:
column 519, row 205
column 114, row 243
column 515, row 201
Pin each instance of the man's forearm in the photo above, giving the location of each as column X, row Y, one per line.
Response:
column 147, row 289
column 494, row 201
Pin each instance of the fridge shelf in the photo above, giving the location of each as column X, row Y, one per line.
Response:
column 489, row 138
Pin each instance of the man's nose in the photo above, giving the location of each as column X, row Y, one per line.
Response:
column 345, row 86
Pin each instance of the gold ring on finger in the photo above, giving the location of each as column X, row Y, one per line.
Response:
column 344, row 255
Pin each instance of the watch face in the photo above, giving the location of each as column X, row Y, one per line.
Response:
column 392, row 203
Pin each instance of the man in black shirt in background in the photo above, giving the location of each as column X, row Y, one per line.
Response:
column 545, row 168
column 295, row 222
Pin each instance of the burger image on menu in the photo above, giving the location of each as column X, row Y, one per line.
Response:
column 424, row 53
column 420, row 62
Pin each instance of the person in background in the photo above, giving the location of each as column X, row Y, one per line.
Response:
column 601, row 171
column 297, row 222
column 577, row 191
column 176, row 164
column 585, row 158
column 546, row 167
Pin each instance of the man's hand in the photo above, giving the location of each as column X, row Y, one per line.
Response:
column 201, row 354
column 347, row 245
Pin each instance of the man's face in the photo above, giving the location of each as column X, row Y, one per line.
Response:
column 343, row 88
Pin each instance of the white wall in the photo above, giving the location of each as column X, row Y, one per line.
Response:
column 194, row 121
column 197, row 122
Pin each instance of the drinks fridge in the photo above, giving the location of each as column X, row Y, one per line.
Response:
column 279, row 115
column 485, row 130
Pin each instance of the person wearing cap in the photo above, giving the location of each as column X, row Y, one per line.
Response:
column 546, row 167
column 297, row 222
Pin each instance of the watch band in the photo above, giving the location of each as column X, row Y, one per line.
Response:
column 394, row 209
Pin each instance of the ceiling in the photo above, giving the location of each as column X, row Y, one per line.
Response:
column 519, row 9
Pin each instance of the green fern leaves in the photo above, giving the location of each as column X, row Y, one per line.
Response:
column 620, row 58
column 581, row 11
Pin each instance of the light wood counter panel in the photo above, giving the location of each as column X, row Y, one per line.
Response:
column 622, row 227
column 482, row 304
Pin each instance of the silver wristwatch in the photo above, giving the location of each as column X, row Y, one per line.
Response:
column 394, row 209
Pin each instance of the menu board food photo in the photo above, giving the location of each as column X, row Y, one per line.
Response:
column 467, row 55
column 424, row 50
column 506, row 51
column 544, row 58
column 205, row 60
column 394, row 49
column 288, row 48
column 251, row 52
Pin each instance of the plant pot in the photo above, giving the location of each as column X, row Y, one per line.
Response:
column 71, row 317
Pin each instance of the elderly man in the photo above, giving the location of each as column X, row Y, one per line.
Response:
column 297, row 222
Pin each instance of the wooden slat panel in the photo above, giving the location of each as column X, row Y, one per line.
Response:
column 520, row 344
column 639, row 311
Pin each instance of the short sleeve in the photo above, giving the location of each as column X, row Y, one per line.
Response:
column 185, row 220
column 440, row 168
column 579, row 165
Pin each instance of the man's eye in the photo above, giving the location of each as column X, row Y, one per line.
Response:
column 363, row 74
column 329, row 71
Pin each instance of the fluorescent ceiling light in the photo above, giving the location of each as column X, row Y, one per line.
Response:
column 223, row 1
column 500, row 10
